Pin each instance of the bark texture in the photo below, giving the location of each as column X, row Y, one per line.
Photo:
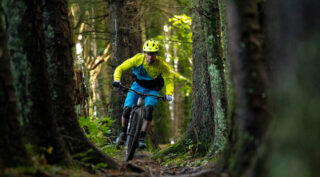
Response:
column 27, row 42
column 201, row 126
column 12, row 150
column 230, row 128
column 250, row 82
column 62, row 75
column 212, row 28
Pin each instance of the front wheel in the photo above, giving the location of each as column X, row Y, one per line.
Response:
column 134, row 133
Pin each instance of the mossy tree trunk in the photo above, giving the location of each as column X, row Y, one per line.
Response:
column 27, row 42
column 62, row 75
column 201, row 127
column 125, row 43
column 208, row 121
column 12, row 150
column 250, row 83
column 212, row 29
column 230, row 129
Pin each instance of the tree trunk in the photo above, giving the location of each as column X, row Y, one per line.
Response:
column 62, row 75
column 27, row 42
column 12, row 150
column 126, row 42
column 250, row 81
column 212, row 28
column 212, row 125
column 230, row 114
column 201, row 127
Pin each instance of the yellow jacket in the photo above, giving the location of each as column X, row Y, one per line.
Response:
column 148, row 76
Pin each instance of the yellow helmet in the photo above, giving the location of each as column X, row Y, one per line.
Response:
column 151, row 46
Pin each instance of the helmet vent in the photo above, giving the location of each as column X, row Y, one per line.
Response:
column 150, row 46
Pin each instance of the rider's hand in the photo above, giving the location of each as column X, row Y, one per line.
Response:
column 168, row 97
column 116, row 84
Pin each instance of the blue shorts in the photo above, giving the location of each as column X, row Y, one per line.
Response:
column 132, row 97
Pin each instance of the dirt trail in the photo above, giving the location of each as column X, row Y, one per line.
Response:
column 151, row 166
column 144, row 165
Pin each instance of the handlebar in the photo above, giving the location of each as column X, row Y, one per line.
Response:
column 124, row 88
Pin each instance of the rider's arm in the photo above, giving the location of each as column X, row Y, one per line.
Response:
column 132, row 62
column 168, row 79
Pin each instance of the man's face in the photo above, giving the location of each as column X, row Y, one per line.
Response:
column 151, row 57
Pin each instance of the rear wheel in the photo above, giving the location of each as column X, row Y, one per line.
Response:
column 134, row 133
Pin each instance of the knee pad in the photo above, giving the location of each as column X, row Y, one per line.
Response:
column 149, row 110
column 126, row 112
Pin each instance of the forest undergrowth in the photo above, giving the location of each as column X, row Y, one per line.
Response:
column 170, row 160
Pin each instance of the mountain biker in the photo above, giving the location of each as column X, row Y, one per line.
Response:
column 151, row 72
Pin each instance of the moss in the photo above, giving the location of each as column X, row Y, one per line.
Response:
column 14, row 12
column 220, row 140
column 176, row 148
column 216, row 72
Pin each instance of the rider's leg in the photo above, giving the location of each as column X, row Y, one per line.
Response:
column 125, row 118
column 124, row 122
column 145, row 126
column 150, row 104
column 130, row 100
column 148, row 118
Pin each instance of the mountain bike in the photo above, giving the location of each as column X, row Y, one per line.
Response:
column 135, row 121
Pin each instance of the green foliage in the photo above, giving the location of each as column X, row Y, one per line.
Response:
column 83, row 156
column 182, row 147
column 180, row 154
column 111, row 150
column 179, row 39
column 100, row 165
column 96, row 128
column 182, row 27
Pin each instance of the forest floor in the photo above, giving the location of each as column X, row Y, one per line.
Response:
column 142, row 165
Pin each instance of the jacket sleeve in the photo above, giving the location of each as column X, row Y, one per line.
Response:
column 126, row 65
column 168, row 79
